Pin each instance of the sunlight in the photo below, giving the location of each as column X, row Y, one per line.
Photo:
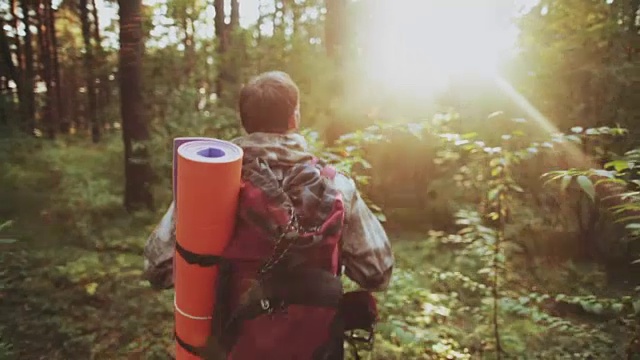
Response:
column 419, row 45
column 540, row 120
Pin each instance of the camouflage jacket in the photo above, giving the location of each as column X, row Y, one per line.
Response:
column 366, row 251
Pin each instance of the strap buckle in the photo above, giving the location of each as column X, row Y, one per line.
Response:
column 269, row 307
column 265, row 304
column 368, row 340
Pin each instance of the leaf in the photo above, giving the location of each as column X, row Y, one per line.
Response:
column 587, row 186
column 7, row 241
column 495, row 114
column 613, row 181
column 470, row 135
column 619, row 165
column 6, row 224
column 493, row 194
column 91, row 288
column 516, row 188
column 566, row 180
column 633, row 226
column 617, row 307
column 596, row 309
column 604, row 173
column 416, row 130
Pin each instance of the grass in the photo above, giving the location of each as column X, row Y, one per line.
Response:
column 75, row 303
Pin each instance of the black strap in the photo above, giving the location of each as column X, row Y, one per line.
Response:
column 195, row 351
column 333, row 349
column 198, row 259
column 313, row 287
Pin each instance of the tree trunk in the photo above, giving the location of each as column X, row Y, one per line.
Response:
column 8, row 72
column 45, row 38
column 103, row 89
column 90, row 80
column 221, row 36
column 29, row 106
column 7, row 58
column 232, row 67
column 296, row 13
column 189, row 42
column 63, row 121
column 335, row 25
column 138, row 174
column 19, row 61
column 235, row 14
column 335, row 29
column 14, row 22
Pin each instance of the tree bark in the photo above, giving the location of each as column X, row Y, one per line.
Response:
column 335, row 29
column 19, row 52
column 235, row 14
column 138, row 174
column 63, row 120
column 29, row 109
column 8, row 72
column 6, row 56
column 189, row 42
column 103, row 89
column 45, row 38
column 221, row 36
column 335, row 26
column 90, row 79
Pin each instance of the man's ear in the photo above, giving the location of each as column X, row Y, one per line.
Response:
column 294, row 120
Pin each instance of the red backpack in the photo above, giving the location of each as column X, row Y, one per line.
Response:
column 279, row 292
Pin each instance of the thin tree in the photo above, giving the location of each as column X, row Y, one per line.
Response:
column 335, row 28
column 63, row 120
column 90, row 79
column 8, row 72
column 103, row 76
column 45, row 39
column 19, row 65
column 29, row 107
column 235, row 14
column 222, row 42
column 135, row 134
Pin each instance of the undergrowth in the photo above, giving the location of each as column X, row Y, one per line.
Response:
column 70, row 284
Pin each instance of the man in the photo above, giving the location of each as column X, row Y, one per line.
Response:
column 269, row 109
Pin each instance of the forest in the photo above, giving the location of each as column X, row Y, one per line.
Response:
column 497, row 141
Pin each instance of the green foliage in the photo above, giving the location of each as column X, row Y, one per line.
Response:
column 574, row 49
column 616, row 188
column 3, row 226
column 505, row 272
column 451, row 291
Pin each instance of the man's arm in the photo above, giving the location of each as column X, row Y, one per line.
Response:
column 366, row 249
column 159, row 250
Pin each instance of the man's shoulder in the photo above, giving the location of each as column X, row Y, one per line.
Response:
column 347, row 186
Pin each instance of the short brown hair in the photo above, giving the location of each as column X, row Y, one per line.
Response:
column 267, row 102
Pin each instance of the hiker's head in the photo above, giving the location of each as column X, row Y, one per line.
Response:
column 270, row 102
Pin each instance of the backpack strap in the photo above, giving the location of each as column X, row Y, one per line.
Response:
column 308, row 286
column 357, row 311
column 312, row 287
column 202, row 260
column 198, row 259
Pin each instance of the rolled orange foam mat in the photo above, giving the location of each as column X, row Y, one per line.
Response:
column 177, row 142
column 208, row 185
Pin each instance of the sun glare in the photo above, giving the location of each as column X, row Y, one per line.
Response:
column 420, row 45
